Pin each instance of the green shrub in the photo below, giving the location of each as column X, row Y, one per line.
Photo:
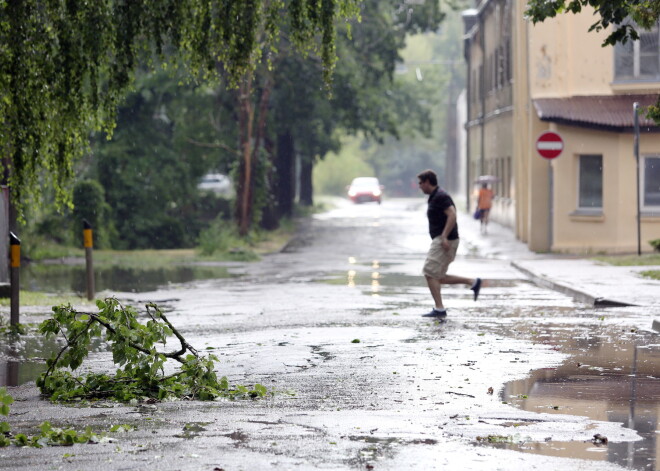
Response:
column 222, row 237
column 655, row 244
column 89, row 204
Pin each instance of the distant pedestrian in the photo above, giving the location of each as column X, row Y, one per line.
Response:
column 443, row 229
column 484, row 203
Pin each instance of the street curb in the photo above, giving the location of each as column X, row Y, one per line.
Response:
column 574, row 293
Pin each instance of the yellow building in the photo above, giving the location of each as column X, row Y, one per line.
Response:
column 524, row 80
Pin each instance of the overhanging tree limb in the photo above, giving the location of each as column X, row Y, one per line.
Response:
column 65, row 66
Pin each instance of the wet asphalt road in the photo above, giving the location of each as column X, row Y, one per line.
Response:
column 332, row 325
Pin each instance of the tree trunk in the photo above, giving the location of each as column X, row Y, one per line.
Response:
column 270, row 216
column 251, row 134
column 244, row 189
column 306, row 187
column 285, row 165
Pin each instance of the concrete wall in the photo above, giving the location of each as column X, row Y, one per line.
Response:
column 566, row 60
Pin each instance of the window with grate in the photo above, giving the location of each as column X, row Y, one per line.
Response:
column 639, row 60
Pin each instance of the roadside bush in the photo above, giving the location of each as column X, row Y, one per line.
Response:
column 222, row 237
column 655, row 244
column 89, row 204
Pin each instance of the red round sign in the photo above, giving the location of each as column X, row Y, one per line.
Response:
column 549, row 145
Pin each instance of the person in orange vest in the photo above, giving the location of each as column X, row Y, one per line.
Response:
column 484, row 203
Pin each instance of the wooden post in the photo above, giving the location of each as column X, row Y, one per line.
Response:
column 89, row 246
column 15, row 266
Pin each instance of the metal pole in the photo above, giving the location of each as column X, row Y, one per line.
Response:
column 89, row 247
column 636, row 149
column 15, row 266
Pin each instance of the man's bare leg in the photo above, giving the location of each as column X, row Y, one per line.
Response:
column 457, row 280
column 434, row 288
column 473, row 283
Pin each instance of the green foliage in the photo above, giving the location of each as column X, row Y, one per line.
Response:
column 612, row 14
column 652, row 274
column 335, row 172
column 48, row 435
column 38, row 298
column 134, row 346
column 367, row 100
column 120, row 428
column 5, row 401
column 630, row 260
column 655, row 244
column 89, row 204
column 222, row 237
column 65, row 66
column 55, row 436
column 417, row 108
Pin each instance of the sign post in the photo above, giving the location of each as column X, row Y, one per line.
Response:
column 549, row 145
column 636, row 151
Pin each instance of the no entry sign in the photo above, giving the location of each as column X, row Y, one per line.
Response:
column 549, row 145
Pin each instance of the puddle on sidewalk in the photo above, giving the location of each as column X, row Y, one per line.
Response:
column 612, row 375
column 72, row 278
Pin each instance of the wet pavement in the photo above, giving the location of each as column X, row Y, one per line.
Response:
column 522, row 378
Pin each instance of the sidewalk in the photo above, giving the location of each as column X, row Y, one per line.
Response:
column 584, row 279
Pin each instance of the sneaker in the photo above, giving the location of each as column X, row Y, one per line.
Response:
column 436, row 313
column 476, row 288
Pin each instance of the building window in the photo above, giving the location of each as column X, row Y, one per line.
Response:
column 590, row 182
column 639, row 60
column 651, row 187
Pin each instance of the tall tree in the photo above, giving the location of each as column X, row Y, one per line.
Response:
column 64, row 66
column 365, row 99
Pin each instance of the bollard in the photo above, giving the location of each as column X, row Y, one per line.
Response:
column 89, row 245
column 15, row 266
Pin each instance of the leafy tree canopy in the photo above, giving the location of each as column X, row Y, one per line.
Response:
column 65, row 65
column 613, row 13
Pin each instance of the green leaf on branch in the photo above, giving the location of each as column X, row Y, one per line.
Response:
column 139, row 351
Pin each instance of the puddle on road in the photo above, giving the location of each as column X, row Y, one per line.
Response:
column 72, row 278
column 613, row 375
column 14, row 373
column 376, row 283
column 23, row 358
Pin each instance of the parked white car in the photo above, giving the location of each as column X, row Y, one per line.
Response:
column 216, row 183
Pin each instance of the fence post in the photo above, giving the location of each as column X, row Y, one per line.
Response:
column 15, row 267
column 89, row 245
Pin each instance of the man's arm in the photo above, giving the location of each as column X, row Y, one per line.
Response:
column 450, row 212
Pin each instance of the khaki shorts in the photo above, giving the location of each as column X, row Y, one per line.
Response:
column 438, row 259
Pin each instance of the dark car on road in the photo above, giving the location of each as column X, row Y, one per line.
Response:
column 364, row 189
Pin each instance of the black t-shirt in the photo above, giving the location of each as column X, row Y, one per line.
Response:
column 439, row 201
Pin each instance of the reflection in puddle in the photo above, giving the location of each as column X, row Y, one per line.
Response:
column 14, row 373
column 611, row 376
column 355, row 278
column 72, row 278
column 23, row 359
